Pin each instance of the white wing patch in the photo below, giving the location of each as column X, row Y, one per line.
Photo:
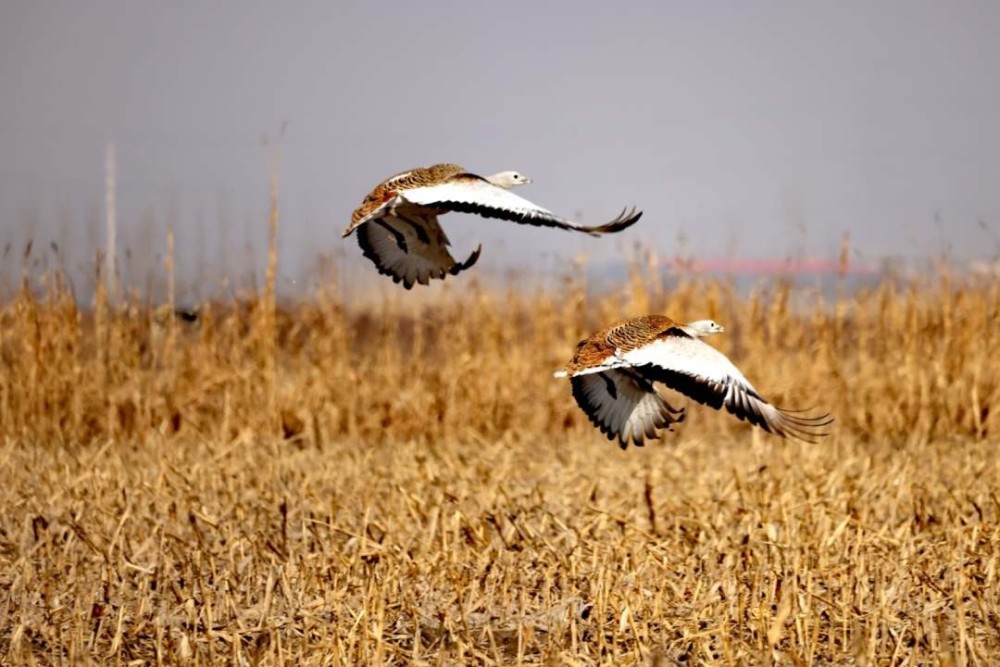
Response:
column 472, row 191
column 410, row 248
column 704, row 374
column 689, row 356
column 624, row 406
column 475, row 195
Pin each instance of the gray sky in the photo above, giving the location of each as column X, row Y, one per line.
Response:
column 736, row 125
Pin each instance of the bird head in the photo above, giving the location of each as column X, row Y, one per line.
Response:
column 701, row 328
column 508, row 179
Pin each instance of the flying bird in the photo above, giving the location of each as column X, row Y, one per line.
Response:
column 397, row 223
column 613, row 372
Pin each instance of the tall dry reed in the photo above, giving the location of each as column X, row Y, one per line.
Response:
column 900, row 362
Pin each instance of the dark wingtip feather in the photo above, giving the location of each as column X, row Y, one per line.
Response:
column 807, row 429
column 458, row 267
column 625, row 219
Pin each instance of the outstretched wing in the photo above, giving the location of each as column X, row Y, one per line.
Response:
column 410, row 248
column 468, row 193
column 623, row 405
column 704, row 374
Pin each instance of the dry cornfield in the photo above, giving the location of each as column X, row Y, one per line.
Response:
column 402, row 481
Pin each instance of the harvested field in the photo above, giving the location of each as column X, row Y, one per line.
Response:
column 405, row 483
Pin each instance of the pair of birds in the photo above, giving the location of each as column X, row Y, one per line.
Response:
column 613, row 371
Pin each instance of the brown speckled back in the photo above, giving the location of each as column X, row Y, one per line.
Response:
column 405, row 180
column 625, row 335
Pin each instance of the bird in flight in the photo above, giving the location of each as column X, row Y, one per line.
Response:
column 397, row 223
column 613, row 372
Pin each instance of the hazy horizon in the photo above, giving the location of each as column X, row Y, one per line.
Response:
column 741, row 129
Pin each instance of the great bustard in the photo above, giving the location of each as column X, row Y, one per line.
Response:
column 613, row 372
column 398, row 229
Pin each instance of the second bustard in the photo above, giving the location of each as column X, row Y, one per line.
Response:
column 614, row 370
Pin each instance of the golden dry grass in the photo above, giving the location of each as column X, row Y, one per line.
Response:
column 324, row 483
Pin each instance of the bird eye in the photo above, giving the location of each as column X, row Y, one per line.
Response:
column 517, row 176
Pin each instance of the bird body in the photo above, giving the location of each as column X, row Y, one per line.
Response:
column 398, row 229
column 613, row 374
column 387, row 190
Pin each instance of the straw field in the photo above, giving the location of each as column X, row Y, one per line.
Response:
column 402, row 481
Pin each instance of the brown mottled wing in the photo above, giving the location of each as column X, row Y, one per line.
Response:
column 410, row 248
column 602, row 349
column 468, row 193
column 704, row 374
column 637, row 331
column 592, row 352
column 624, row 405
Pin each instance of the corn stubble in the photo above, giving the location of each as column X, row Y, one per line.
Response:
column 336, row 483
